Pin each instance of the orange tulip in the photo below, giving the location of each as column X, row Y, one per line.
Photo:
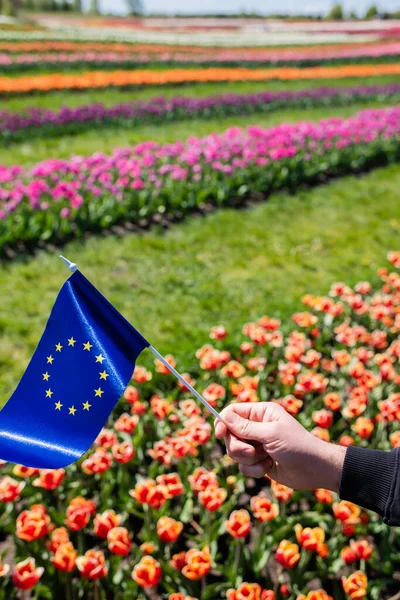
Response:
column 355, row 586
column 263, row 508
column 59, row 537
column 311, row 539
column 363, row 427
column 362, row 549
column 21, row 471
column 180, row 596
column 92, row 565
column 98, row 462
column 148, row 492
column 119, row 541
column 64, row 558
column 123, row 452
column 104, row 522
column 10, row 489
column 239, row 523
column 324, row 496
column 212, row 498
column 193, row 564
column 287, row 554
column 348, row 555
column 315, row 595
column 347, row 512
column 281, row 492
column 79, row 512
column 147, row 548
column 26, row 574
column 168, row 530
column 33, row 524
column 172, row 483
column 49, row 480
column 147, row 572
column 249, row 591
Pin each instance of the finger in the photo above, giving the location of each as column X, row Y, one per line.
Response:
column 256, row 411
column 242, row 452
column 248, row 430
column 258, row 470
column 220, row 429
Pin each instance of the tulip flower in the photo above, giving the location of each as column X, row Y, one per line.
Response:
column 287, row 554
column 147, row 572
column 64, row 558
column 26, row 574
column 92, row 565
column 119, row 541
column 10, row 489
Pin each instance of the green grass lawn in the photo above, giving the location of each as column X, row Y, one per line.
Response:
column 110, row 96
column 106, row 140
column 228, row 267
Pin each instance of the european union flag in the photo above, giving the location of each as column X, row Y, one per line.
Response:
column 80, row 369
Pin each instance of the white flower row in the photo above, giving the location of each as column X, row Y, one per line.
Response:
column 220, row 38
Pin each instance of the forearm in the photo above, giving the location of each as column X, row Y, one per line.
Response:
column 370, row 479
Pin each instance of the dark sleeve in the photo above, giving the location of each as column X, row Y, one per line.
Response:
column 371, row 479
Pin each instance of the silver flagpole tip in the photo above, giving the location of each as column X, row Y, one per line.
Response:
column 71, row 266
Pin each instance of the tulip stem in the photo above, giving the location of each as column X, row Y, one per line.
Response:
column 238, row 551
column 68, row 587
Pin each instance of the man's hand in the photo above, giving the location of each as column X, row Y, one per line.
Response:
column 265, row 440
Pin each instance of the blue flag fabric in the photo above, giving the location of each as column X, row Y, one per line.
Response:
column 80, row 369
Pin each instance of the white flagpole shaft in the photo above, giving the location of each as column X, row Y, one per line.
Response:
column 185, row 383
column 73, row 267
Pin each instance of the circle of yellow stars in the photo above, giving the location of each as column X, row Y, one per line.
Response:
column 103, row 375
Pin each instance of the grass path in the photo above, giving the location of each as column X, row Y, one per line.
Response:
column 228, row 267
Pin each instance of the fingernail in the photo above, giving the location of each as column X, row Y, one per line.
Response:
column 231, row 417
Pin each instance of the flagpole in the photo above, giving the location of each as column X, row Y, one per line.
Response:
column 185, row 383
column 72, row 268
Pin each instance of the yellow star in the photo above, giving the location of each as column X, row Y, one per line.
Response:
column 72, row 410
column 50, row 359
column 100, row 358
column 71, row 342
column 58, row 405
column 104, row 375
column 98, row 392
column 46, row 376
column 87, row 346
column 86, row 405
column 49, row 393
column 58, row 347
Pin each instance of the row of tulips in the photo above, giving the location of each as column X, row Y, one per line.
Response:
column 54, row 45
column 221, row 38
column 103, row 79
column 16, row 63
column 58, row 199
column 157, row 510
column 16, row 126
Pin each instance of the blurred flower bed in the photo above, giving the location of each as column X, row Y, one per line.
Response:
column 48, row 45
column 157, row 510
column 104, row 79
column 15, row 63
column 18, row 126
column 58, row 199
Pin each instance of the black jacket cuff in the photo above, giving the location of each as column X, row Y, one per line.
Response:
column 370, row 479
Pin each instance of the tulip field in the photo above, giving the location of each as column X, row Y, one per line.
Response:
column 239, row 203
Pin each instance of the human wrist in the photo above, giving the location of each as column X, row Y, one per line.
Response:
column 330, row 459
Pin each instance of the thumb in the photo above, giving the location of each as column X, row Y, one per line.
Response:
column 245, row 429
